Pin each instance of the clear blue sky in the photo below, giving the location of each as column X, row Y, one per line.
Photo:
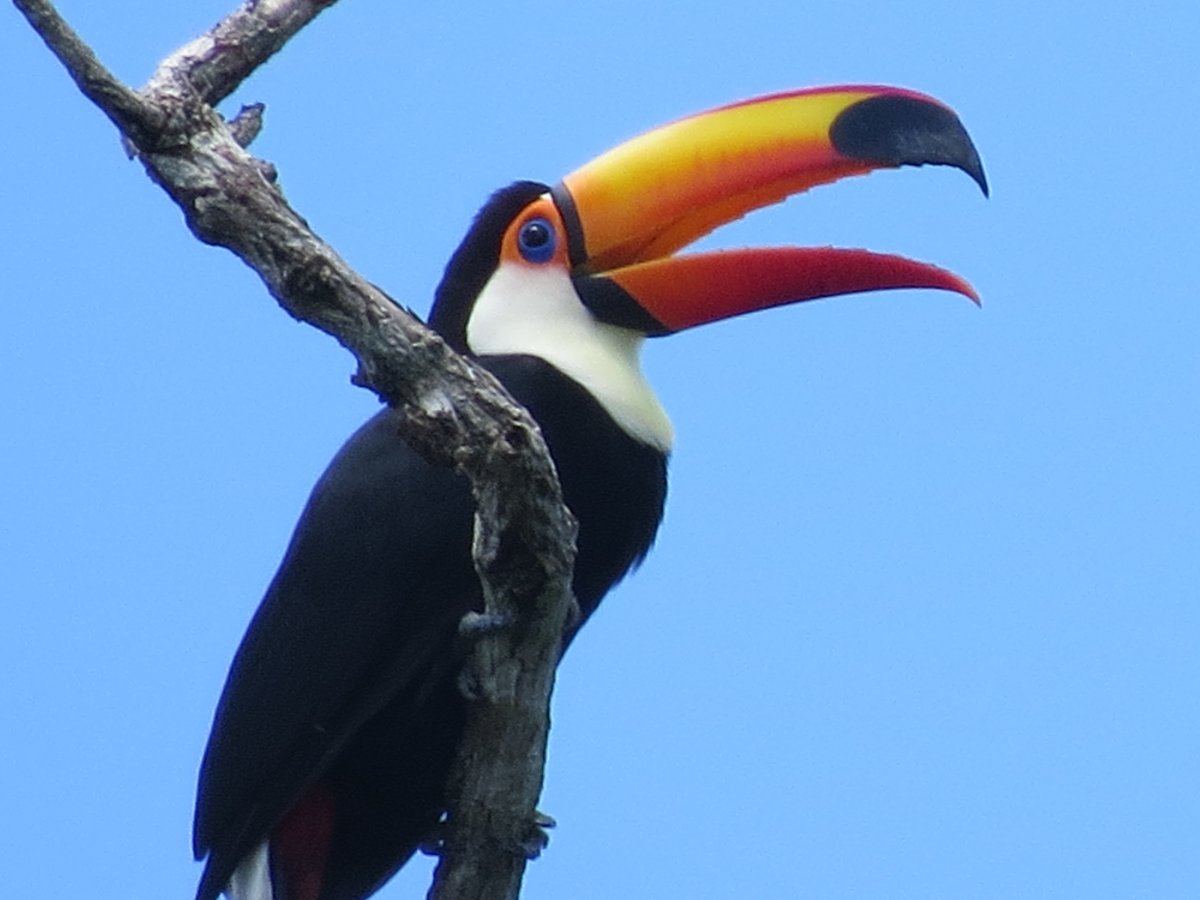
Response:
column 924, row 616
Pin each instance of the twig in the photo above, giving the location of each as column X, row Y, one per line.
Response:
column 245, row 126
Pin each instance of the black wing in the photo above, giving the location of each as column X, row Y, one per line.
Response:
column 365, row 605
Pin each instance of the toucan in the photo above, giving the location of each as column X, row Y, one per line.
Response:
column 340, row 717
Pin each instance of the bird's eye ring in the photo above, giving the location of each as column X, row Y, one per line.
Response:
column 536, row 240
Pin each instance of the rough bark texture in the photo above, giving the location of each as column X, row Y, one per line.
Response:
column 455, row 413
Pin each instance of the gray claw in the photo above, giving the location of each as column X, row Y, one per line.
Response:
column 475, row 624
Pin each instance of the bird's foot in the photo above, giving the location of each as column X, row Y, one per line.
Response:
column 477, row 625
column 530, row 847
column 481, row 624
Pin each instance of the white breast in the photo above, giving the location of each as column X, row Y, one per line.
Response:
column 535, row 310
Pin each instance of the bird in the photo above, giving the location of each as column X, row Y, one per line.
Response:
column 339, row 720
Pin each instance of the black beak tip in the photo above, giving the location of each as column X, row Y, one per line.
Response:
column 901, row 130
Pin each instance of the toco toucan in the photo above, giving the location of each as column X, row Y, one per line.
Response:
column 341, row 714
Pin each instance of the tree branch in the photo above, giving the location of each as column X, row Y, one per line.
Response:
column 454, row 412
column 215, row 63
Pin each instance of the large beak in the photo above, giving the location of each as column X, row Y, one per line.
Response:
column 627, row 211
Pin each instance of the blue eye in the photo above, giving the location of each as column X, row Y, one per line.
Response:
column 537, row 241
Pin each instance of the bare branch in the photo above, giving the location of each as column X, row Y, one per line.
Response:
column 215, row 63
column 455, row 412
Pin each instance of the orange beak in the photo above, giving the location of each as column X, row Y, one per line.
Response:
column 628, row 210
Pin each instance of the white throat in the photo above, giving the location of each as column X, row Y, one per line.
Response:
column 535, row 311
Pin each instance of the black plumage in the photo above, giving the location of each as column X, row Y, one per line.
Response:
column 346, row 678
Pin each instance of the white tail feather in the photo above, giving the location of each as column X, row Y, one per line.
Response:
column 252, row 878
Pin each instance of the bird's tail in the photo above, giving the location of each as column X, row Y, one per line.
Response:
column 251, row 880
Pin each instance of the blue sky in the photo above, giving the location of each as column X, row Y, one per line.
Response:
column 923, row 617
